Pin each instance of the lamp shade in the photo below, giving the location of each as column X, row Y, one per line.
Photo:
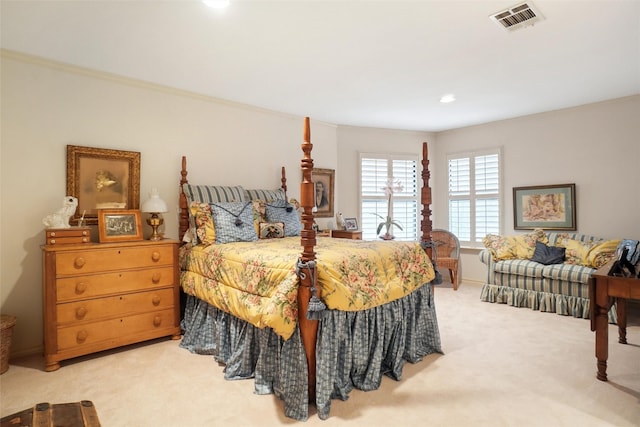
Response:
column 154, row 203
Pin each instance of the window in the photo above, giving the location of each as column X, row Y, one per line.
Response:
column 375, row 171
column 474, row 195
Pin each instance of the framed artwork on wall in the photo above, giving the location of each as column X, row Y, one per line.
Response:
column 551, row 207
column 119, row 225
column 323, row 180
column 102, row 179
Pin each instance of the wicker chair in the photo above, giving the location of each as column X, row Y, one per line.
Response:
column 447, row 247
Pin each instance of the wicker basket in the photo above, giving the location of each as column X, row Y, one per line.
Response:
column 7, row 324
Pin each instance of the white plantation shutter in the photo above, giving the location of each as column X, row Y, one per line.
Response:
column 375, row 170
column 474, row 195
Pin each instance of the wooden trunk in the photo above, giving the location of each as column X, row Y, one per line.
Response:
column 78, row 414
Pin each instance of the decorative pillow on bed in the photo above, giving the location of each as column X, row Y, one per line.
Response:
column 208, row 194
column 266, row 195
column 259, row 213
column 548, row 254
column 204, row 226
column 233, row 222
column 271, row 230
column 283, row 211
column 514, row 247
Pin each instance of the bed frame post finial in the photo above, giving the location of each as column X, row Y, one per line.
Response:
column 307, row 194
column 183, row 219
column 425, row 199
column 308, row 327
column 283, row 180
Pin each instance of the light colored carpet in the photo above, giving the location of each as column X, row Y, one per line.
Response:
column 503, row 366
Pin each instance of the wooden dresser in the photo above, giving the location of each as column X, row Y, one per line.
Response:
column 346, row 234
column 99, row 296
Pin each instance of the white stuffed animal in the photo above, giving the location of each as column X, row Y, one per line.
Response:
column 60, row 219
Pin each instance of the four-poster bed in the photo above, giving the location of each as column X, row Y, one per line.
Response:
column 308, row 326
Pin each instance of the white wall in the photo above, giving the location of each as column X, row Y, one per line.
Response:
column 595, row 146
column 46, row 106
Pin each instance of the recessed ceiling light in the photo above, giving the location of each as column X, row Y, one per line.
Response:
column 216, row 4
column 448, row 98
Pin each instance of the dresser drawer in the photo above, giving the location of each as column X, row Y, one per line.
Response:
column 122, row 305
column 99, row 260
column 95, row 285
column 114, row 332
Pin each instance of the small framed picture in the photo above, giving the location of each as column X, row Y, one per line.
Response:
column 119, row 225
column 350, row 224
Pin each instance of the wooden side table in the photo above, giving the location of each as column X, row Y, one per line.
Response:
column 346, row 234
column 604, row 290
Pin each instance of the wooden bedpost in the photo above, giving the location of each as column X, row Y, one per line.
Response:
column 283, row 180
column 183, row 219
column 308, row 328
column 425, row 198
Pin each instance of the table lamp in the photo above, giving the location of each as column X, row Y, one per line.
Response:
column 154, row 205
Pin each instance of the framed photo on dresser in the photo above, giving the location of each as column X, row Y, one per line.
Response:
column 119, row 225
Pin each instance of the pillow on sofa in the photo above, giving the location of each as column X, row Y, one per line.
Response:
column 548, row 254
column 602, row 253
column 576, row 251
column 509, row 247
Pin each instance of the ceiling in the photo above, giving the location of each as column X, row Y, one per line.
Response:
column 363, row 63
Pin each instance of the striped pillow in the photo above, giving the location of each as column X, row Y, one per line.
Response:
column 266, row 195
column 213, row 193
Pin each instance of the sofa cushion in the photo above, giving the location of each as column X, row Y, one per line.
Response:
column 568, row 273
column 548, row 254
column 514, row 247
column 520, row 267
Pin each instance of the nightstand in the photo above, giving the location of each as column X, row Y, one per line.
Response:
column 346, row 234
column 99, row 296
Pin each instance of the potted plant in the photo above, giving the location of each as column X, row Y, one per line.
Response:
column 390, row 187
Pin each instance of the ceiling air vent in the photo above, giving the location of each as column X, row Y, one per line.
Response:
column 517, row 17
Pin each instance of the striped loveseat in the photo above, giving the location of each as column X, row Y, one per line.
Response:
column 558, row 288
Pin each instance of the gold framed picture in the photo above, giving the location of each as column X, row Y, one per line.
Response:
column 119, row 225
column 323, row 180
column 102, row 179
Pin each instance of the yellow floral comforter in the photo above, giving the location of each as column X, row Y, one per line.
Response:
column 257, row 281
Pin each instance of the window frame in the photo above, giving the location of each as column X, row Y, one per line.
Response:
column 473, row 195
column 390, row 157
